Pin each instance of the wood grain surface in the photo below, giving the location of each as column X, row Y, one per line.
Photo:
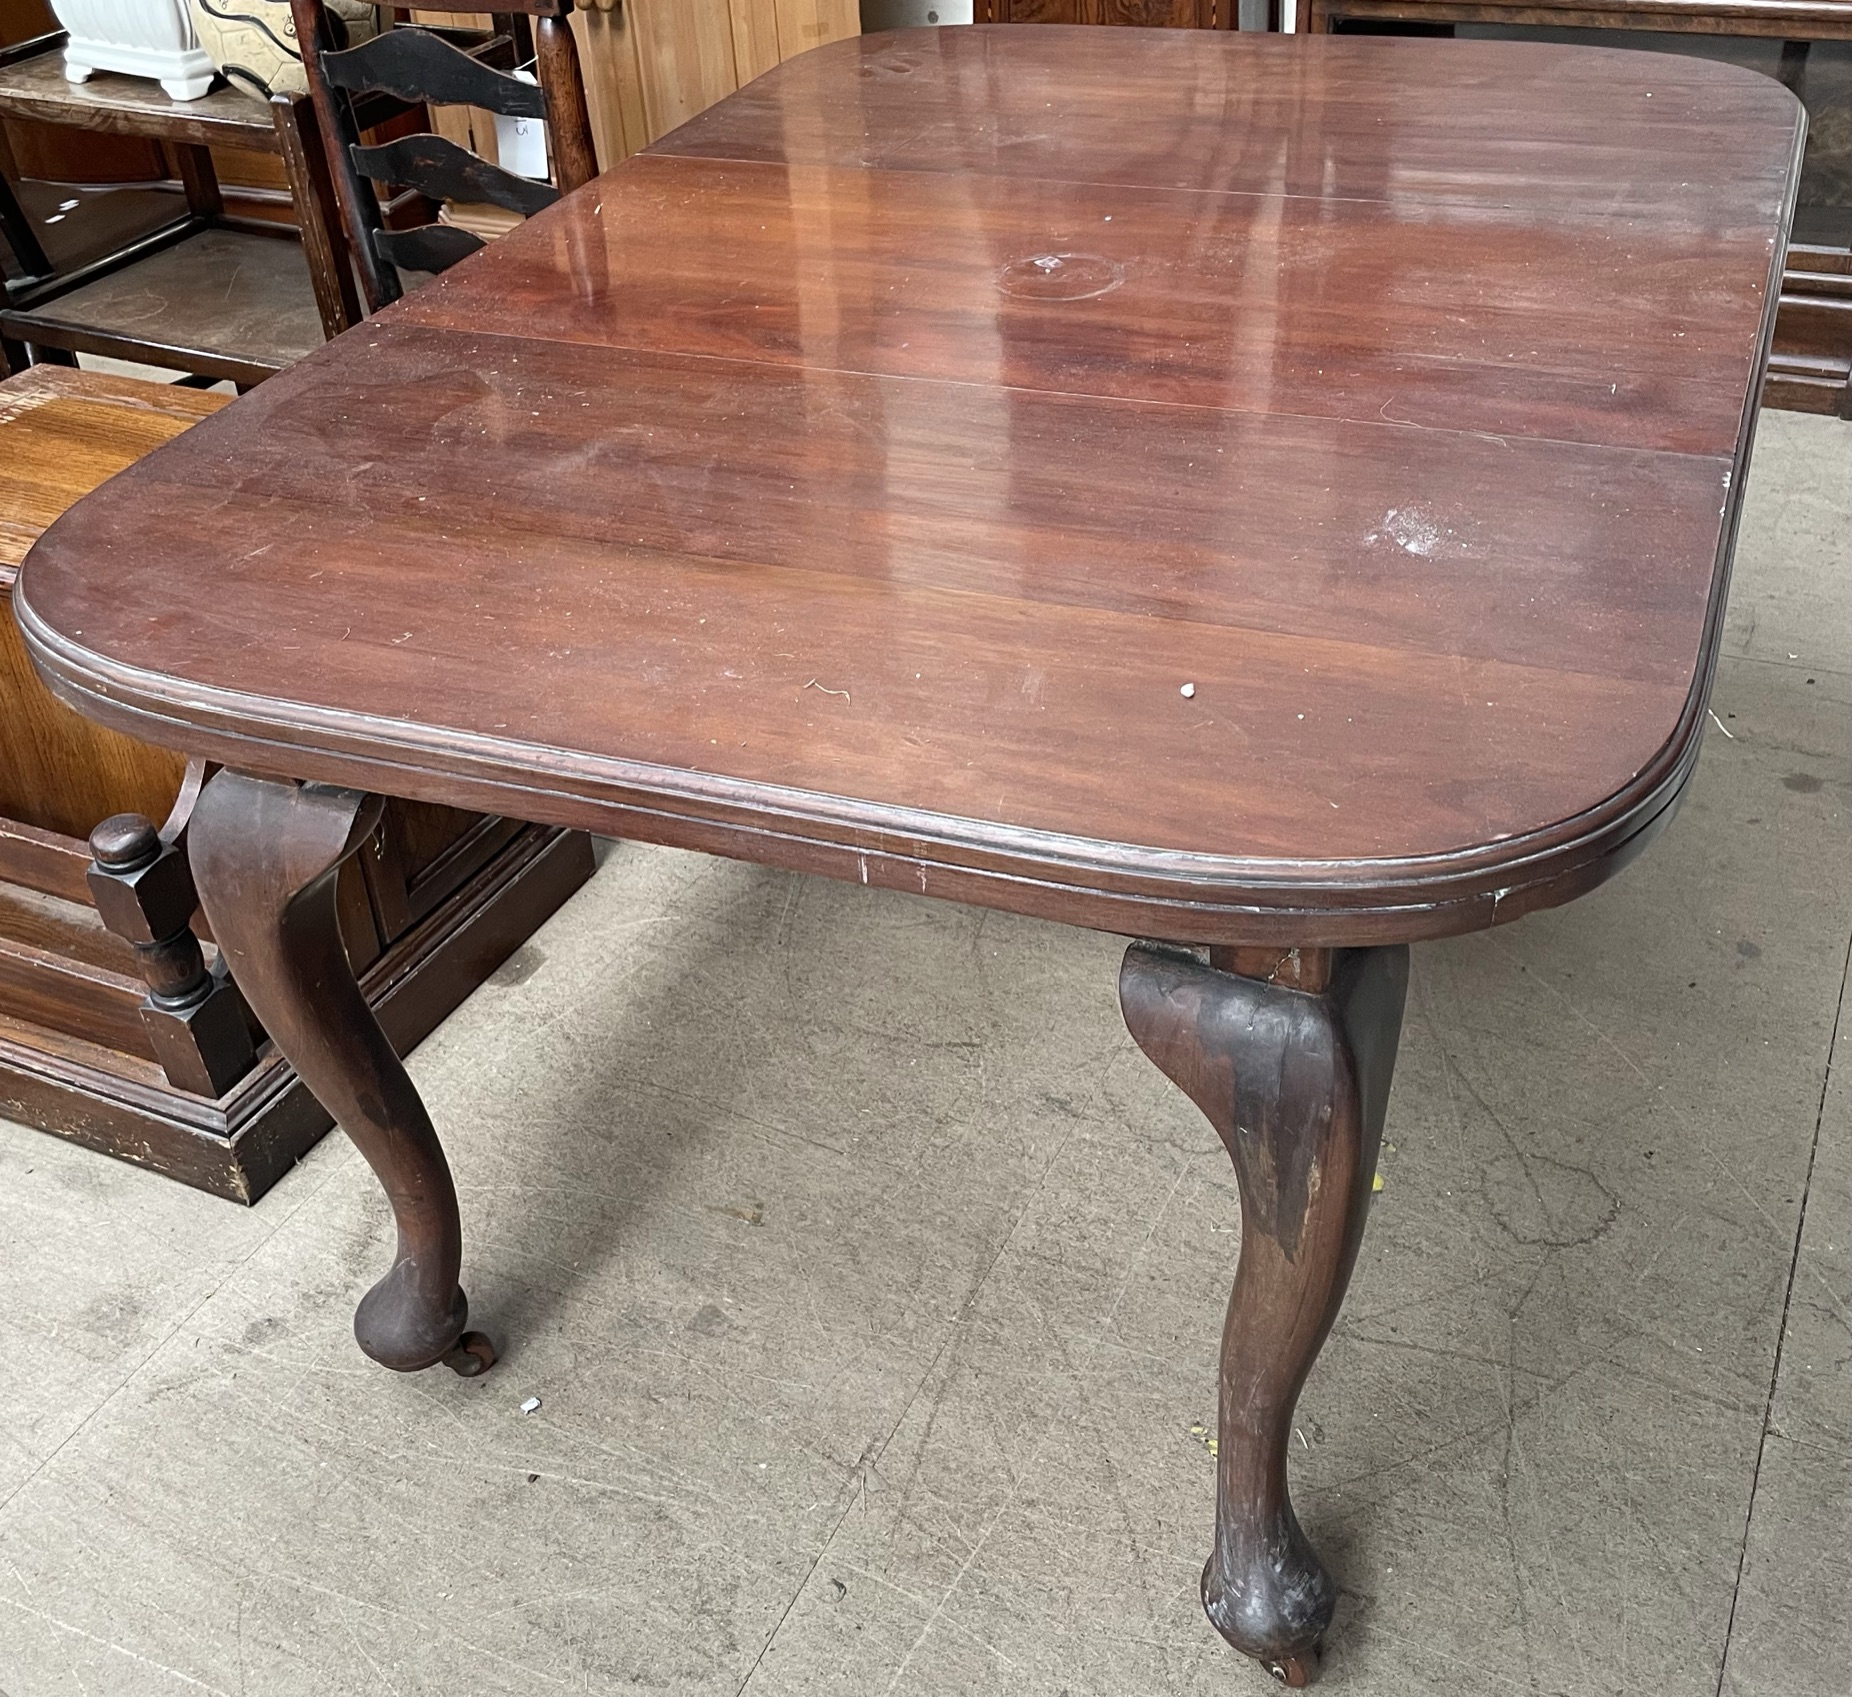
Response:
column 132, row 106
column 62, row 432
column 856, row 482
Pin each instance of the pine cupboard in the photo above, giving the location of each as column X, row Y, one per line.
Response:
column 650, row 65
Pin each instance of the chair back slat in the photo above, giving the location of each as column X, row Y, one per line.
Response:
column 416, row 65
column 430, row 247
column 444, row 171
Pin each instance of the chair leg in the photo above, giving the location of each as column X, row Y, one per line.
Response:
column 1793, row 71
column 17, row 232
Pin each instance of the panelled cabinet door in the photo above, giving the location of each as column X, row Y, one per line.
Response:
column 1179, row 14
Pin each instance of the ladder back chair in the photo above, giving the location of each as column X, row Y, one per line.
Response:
column 417, row 64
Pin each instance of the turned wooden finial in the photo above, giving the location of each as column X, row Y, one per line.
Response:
column 125, row 841
column 194, row 1016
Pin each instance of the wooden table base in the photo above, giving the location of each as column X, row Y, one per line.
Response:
column 1288, row 1052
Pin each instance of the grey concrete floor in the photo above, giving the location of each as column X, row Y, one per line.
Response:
column 871, row 1283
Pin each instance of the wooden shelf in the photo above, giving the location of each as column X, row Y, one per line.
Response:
column 223, row 303
column 132, row 106
column 213, row 295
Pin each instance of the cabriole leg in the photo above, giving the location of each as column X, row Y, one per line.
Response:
column 265, row 856
column 1292, row 1068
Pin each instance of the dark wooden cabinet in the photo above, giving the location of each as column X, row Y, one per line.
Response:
column 1174, row 14
column 1810, row 366
column 1810, row 369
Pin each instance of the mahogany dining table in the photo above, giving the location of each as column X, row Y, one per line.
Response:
column 1269, row 497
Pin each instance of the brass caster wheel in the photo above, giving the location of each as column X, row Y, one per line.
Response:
column 473, row 1355
column 1295, row 1671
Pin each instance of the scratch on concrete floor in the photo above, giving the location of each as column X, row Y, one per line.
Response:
column 450, row 1636
column 958, row 1627
column 154, row 1349
column 1691, row 1127
column 365, row 1654
column 111, row 1644
column 1010, row 1496
column 952, row 1332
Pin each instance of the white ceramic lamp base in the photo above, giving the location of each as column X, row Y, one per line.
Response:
column 138, row 38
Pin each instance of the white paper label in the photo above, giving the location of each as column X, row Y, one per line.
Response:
column 522, row 142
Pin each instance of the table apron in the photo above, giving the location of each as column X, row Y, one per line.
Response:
column 1334, row 914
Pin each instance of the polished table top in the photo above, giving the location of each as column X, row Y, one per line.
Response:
column 1217, row 486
